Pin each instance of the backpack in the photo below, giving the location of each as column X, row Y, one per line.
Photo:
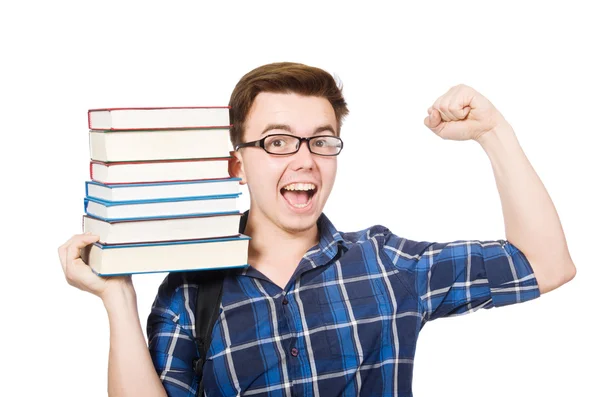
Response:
column 208, row 301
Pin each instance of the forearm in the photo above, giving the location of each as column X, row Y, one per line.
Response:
column 130, row 368
column 530, row 219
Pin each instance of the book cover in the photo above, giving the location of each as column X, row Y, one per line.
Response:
column 160, row 208
column 149, row 145
column 159, row 171
column 112, row 260
column 149, row 191
column 162, row 229
column 133, row 118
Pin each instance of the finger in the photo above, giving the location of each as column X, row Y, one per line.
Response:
column 461, row 113
column 62, row 252
column 434, row 120
column 458, row 130
column 76, row 270
column 460, row 103
column 471, row 97
column 73, row 237
column 451, row 108
column 62, row 255
column 79, row 242
column 80, row 275
column 458, row 110
column 441, row 105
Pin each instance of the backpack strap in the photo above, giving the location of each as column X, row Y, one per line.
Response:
column 208, row 300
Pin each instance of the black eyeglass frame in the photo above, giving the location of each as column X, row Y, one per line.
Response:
column 261, row 143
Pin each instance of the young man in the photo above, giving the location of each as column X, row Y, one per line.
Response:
column 319, row 311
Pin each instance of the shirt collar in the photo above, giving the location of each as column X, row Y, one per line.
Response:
column 330, row 238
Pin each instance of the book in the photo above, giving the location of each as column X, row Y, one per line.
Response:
column 160, row 208
column 159, row 171
column 161, row 190
column 112, row 260
column 162, row 229
column 158, row 118
column 109, row 146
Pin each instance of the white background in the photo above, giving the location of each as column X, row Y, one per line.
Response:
column 537, row 62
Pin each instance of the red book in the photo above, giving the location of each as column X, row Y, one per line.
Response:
column 159, row 171
column 114, row 119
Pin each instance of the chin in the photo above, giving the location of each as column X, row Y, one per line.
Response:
column 298, row 224
column 297, row 220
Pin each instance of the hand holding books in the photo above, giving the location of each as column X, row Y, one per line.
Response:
column 78, row 273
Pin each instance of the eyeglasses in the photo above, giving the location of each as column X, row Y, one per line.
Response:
column 282, row 144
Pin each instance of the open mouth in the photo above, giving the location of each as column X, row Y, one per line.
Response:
column 299, row 195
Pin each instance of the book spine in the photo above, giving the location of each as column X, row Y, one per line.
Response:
column 212, row 127
column 195, row 160
column 110, row 184
column 159, row 217
column 161, row 107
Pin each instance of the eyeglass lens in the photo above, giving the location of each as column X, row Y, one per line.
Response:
column 284, row 144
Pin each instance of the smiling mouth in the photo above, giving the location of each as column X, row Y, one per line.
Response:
column 299, row 195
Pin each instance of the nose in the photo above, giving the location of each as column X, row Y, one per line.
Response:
column 303, row 158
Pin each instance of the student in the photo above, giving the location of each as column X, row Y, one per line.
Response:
column 320, row 311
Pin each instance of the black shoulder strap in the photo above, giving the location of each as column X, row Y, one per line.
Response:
column 208, row 300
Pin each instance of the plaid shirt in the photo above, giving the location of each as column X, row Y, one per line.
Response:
column 346, row 323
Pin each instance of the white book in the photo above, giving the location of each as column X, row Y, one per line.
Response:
column 164, row 190
column 123, row 210
column 112, row 260
column 162, row 229
column 159, row 171
column 160, row 117
column 158, row 144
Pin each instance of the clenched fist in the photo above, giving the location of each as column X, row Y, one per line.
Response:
column 462, row 114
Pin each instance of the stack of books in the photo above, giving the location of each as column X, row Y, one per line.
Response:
column 160, row 196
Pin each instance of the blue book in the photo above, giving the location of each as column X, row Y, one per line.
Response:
column 161, row 208
column 161, row 190
column 174, row 256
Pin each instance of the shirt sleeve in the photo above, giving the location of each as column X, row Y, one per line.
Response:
column 170, row 336
column 463, row 276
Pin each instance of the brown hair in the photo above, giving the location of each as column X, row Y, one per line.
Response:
column 282, row 77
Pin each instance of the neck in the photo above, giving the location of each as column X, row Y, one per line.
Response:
column 274, row 251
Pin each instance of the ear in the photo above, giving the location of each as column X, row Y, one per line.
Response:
column 236, row 167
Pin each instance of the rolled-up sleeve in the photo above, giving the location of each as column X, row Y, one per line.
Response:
column 170, row 339
column 463, row 276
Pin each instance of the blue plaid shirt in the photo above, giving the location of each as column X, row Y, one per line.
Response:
column 347, row 322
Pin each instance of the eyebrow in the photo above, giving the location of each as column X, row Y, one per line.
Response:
column 285, row 127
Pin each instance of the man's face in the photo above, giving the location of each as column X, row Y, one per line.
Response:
column 278, row 184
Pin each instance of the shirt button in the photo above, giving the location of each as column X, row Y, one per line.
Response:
column 294, row 352
column 285, row 301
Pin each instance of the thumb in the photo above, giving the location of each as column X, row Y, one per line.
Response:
column 456, row 130
column 433, row 120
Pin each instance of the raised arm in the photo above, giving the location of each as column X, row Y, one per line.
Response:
column 531, row 221
column 130, row 368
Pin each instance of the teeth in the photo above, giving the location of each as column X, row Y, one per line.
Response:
column 300, row 186
column 300, row 205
